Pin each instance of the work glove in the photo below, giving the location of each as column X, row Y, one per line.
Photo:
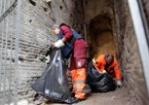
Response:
column 47, row 59
column 94, row 61
column 119, row 83
column 58, row 44
column 102, row 71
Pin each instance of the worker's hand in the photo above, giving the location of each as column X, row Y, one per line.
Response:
column 102, row 71
column 99, row 70
column 119, row 83
column 94, row 61
column 58, row 44
column 47, row 59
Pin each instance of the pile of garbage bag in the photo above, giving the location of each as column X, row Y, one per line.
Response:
column 54, row 85
column 100, row 82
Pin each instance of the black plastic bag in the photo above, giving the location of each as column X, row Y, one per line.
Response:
column 53, row 83
column 100, row 82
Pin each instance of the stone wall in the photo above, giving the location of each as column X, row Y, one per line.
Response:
column 35, row 32
column 33, row 43
column 125, row 40
column 36, row 19
column 7, row 49
column 129, row 53
column 99, row 20
column 145, row 4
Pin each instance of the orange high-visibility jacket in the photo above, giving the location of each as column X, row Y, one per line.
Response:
column 113, row 69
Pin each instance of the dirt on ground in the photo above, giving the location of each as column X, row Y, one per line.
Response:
column 117, row 97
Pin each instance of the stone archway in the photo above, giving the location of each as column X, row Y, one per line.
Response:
column 101, row 35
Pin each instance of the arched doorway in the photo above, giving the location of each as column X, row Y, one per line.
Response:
column 101, row 36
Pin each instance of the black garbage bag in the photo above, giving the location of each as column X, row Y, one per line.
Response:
column 100, row 82
column 53, row 83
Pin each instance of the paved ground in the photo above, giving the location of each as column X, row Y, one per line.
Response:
column 118, row 97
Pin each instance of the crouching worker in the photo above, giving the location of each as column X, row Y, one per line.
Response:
column 107, row 63
column 72, row 43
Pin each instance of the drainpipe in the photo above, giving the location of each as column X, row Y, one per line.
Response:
column 141, row 33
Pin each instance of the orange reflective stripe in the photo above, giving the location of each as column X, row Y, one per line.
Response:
column 79, row 85
column 80, row 95
column 79, row 81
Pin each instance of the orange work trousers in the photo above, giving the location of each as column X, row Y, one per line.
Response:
column 79, row 82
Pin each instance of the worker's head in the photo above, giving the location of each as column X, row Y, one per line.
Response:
column 55, row 29
column 109, row 58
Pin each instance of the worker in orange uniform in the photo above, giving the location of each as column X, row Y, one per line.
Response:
column 107, row 63
column 77, row 46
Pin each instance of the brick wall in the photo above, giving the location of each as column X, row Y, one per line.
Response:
column 7, row 49
column 36, row 22
column 36, row 18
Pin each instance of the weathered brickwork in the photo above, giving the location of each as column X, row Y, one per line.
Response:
column 36, row 19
